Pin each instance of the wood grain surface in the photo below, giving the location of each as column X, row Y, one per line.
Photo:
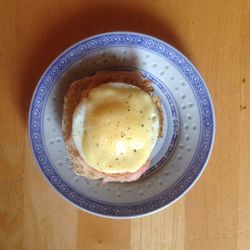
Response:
column 215, row 36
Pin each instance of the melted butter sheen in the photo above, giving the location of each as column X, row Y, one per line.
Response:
column 118, row 128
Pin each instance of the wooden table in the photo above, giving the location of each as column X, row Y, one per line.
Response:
column 215, row 35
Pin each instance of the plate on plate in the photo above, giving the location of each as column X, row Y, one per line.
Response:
column 178, row 158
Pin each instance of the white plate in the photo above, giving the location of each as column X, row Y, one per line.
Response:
column 179, row 157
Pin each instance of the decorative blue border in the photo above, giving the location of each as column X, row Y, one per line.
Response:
column 115, row 39
column 175, row 118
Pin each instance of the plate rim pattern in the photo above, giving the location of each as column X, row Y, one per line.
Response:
column 118, row 39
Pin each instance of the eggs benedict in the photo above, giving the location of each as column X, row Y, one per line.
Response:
column 111, row 123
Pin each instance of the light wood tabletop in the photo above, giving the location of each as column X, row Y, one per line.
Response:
column 215, row 36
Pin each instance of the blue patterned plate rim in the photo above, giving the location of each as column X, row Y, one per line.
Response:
column 195, row 168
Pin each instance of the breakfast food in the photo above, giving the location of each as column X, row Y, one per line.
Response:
column 111, row 123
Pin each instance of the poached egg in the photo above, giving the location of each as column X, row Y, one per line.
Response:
column 115, row 127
